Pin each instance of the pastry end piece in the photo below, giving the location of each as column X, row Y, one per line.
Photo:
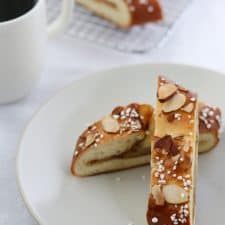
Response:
column 120, row 140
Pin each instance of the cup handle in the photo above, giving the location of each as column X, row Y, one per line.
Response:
column 63, row 19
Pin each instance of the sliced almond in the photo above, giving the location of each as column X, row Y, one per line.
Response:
column 174, row 103
column 175, row 194
column 186, row 146
column 158, row 195
column 188, row 108
column 90, row 139
column 181, row 88
column 117, row 110
column 166, row 145
column 110, row 124
column 166, row 91
column 176, row 157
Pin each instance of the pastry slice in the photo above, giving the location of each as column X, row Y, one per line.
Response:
column 125, row 13
column 209, row 133
column 209, row 127
column 174, row 156
column 114, row 143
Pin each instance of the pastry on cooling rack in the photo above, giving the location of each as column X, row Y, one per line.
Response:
column 174, row 156
column 125, row 13
column 115, row 142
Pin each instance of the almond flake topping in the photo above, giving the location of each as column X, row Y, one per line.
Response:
column 166, row 91
column 110, row 124
column 174, row 194
column 90, row 139
column 188, row 108
column 167, row 145
column 174, row 103
column 157, row 195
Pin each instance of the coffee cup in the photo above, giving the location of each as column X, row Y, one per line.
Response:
column 23, row 36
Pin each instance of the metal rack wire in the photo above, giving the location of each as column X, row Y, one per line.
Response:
column 138, row 39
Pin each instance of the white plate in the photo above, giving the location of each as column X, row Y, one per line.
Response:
column 54, row 197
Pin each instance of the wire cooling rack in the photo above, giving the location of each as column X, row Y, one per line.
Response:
column 138, row 39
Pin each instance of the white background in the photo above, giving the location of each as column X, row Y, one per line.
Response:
column 198, row 38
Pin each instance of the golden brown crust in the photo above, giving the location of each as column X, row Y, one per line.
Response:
column 141, row 11
column 209, row 119
column 144, row 11
column 209, row 136
column 132, row 118
column 123, row 26
column 209, row 125
column 173, row 159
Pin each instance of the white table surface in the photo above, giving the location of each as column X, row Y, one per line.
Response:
column 198, row 38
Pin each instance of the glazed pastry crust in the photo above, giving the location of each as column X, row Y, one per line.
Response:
column 209, row 127
column 125, row 13
column 116, row 142
column 174, row 156
column 209, row 135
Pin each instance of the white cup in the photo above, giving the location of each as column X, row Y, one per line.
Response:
column 23, row 48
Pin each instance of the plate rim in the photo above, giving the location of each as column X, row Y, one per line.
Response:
column 35, row 215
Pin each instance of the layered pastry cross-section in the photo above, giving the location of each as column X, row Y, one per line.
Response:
column 209, row 135
column 118, row 141
column 125, row 13
column 173, row 156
